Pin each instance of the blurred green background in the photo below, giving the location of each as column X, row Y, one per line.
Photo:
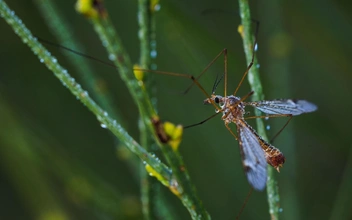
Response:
column 56, row 162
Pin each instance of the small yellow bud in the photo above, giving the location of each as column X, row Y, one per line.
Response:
column 240, row 30
column 86, row 8
column 174, row 133
column 154, row 5
column 138, row 73
column 169, row 128
column 157, row 175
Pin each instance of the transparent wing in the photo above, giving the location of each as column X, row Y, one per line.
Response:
column 284, row 106
column 253, row 158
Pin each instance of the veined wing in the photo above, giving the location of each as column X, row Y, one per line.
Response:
column 253, row 159
column 284, row 106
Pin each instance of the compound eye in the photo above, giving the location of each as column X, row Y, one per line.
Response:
column 216, row 100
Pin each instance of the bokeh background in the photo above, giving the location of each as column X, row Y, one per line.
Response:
column 56, row 162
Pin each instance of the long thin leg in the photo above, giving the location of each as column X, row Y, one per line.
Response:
column 224, row 51
column 274, row 116
column 269, row 116
column 75, row 52
column 228, row 128
column 245, row 97
column 199, row 123
column 244, row 203
column 195, row 81
column 225, row 72
column 244, row 75
column 277, row 134
column 252, row 61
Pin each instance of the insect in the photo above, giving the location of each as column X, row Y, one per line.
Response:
column 256, row 153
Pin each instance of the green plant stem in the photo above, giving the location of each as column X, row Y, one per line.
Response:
column 76, row 89
column 117, row 54
column 144, row 20
column 149, row 185
column 256, row 86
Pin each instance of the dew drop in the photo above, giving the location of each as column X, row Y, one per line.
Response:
column 256, row 47
column 266, row 118
column 103, row 125
column 268, row 127
column 258, row 65
column 281, row 209
column 153, row 53
column 112, row 57
column 105, row 114
column 140, row 34
column 84, row 94
column 78, row 86
column 54, row 60
column 42, row 60
column 157, row 7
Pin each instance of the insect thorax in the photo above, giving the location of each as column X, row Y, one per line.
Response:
column 233, row 109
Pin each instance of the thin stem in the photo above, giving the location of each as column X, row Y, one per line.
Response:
column 256, row 86
column 148, row 185
column 144, row 20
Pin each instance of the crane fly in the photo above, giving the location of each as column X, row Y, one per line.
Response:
column 255, row 151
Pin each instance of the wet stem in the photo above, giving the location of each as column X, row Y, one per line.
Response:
column 149, row 186
column 256, row 86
